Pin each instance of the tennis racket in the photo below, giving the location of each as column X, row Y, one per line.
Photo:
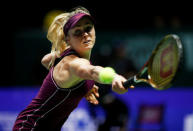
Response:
column 161, row 68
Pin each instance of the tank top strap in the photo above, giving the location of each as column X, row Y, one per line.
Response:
column 67, row 52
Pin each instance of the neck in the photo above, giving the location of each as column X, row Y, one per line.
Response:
column 85, row 55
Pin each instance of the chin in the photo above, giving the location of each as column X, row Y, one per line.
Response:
column 89, row 46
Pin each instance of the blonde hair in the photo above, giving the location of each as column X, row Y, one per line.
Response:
column 56, row 35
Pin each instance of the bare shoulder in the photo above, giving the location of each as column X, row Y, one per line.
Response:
column 62, row 73
column 72, row 61
column 77, row 60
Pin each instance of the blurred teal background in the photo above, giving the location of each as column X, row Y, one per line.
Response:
column 123, row 41
column 30, row 45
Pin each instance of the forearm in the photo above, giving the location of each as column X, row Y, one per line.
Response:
column 109, row 77
column 89, row 72
column 83, row 69
column 95, row 72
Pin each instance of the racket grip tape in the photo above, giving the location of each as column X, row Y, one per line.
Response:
column 129, row 82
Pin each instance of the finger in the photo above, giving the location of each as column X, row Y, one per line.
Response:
column 93, row 99
column 90, row 97
column 95, row 90
column 115, row 87
column 120, row 85
column 113, row 84
column 96, row 94
column 132, row 87
column 95, row 86
column 87, row 95
column 119, row 88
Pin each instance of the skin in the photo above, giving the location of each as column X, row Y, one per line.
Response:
column 72, row 69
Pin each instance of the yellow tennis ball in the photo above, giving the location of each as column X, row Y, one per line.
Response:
column 106, row 76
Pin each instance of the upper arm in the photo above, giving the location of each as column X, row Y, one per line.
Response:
column 80, row 67
column 83, row 69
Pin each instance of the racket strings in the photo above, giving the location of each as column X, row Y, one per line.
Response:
column 165, row 63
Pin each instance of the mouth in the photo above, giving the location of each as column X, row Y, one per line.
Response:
column 87, row 42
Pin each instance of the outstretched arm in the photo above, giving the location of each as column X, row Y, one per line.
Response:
column 83, row 69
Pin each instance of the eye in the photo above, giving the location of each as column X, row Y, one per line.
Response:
column 77, row 32
column 88, row 29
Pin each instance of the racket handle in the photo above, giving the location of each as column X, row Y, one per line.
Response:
column 129, row 82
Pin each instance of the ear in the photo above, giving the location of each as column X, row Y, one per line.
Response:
column 67, row 39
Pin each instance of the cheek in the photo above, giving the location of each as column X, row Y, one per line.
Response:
column 93, row 35
column 74, row 42
column 94, row 38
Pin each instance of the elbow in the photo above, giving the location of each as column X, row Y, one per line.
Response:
column 45, row 63
column 42, row 62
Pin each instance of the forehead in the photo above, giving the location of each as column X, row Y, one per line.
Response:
column 84, row 21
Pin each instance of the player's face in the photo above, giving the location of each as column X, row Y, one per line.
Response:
column 82, row 35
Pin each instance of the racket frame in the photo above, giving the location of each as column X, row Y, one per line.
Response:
column 144, row 75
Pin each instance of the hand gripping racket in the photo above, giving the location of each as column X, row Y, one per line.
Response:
column 162, row 66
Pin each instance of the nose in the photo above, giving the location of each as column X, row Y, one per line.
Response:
column 85, row 34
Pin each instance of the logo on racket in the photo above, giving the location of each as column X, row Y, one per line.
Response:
column 166, row 61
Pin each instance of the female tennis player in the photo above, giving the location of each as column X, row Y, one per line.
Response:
column 71, row 75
